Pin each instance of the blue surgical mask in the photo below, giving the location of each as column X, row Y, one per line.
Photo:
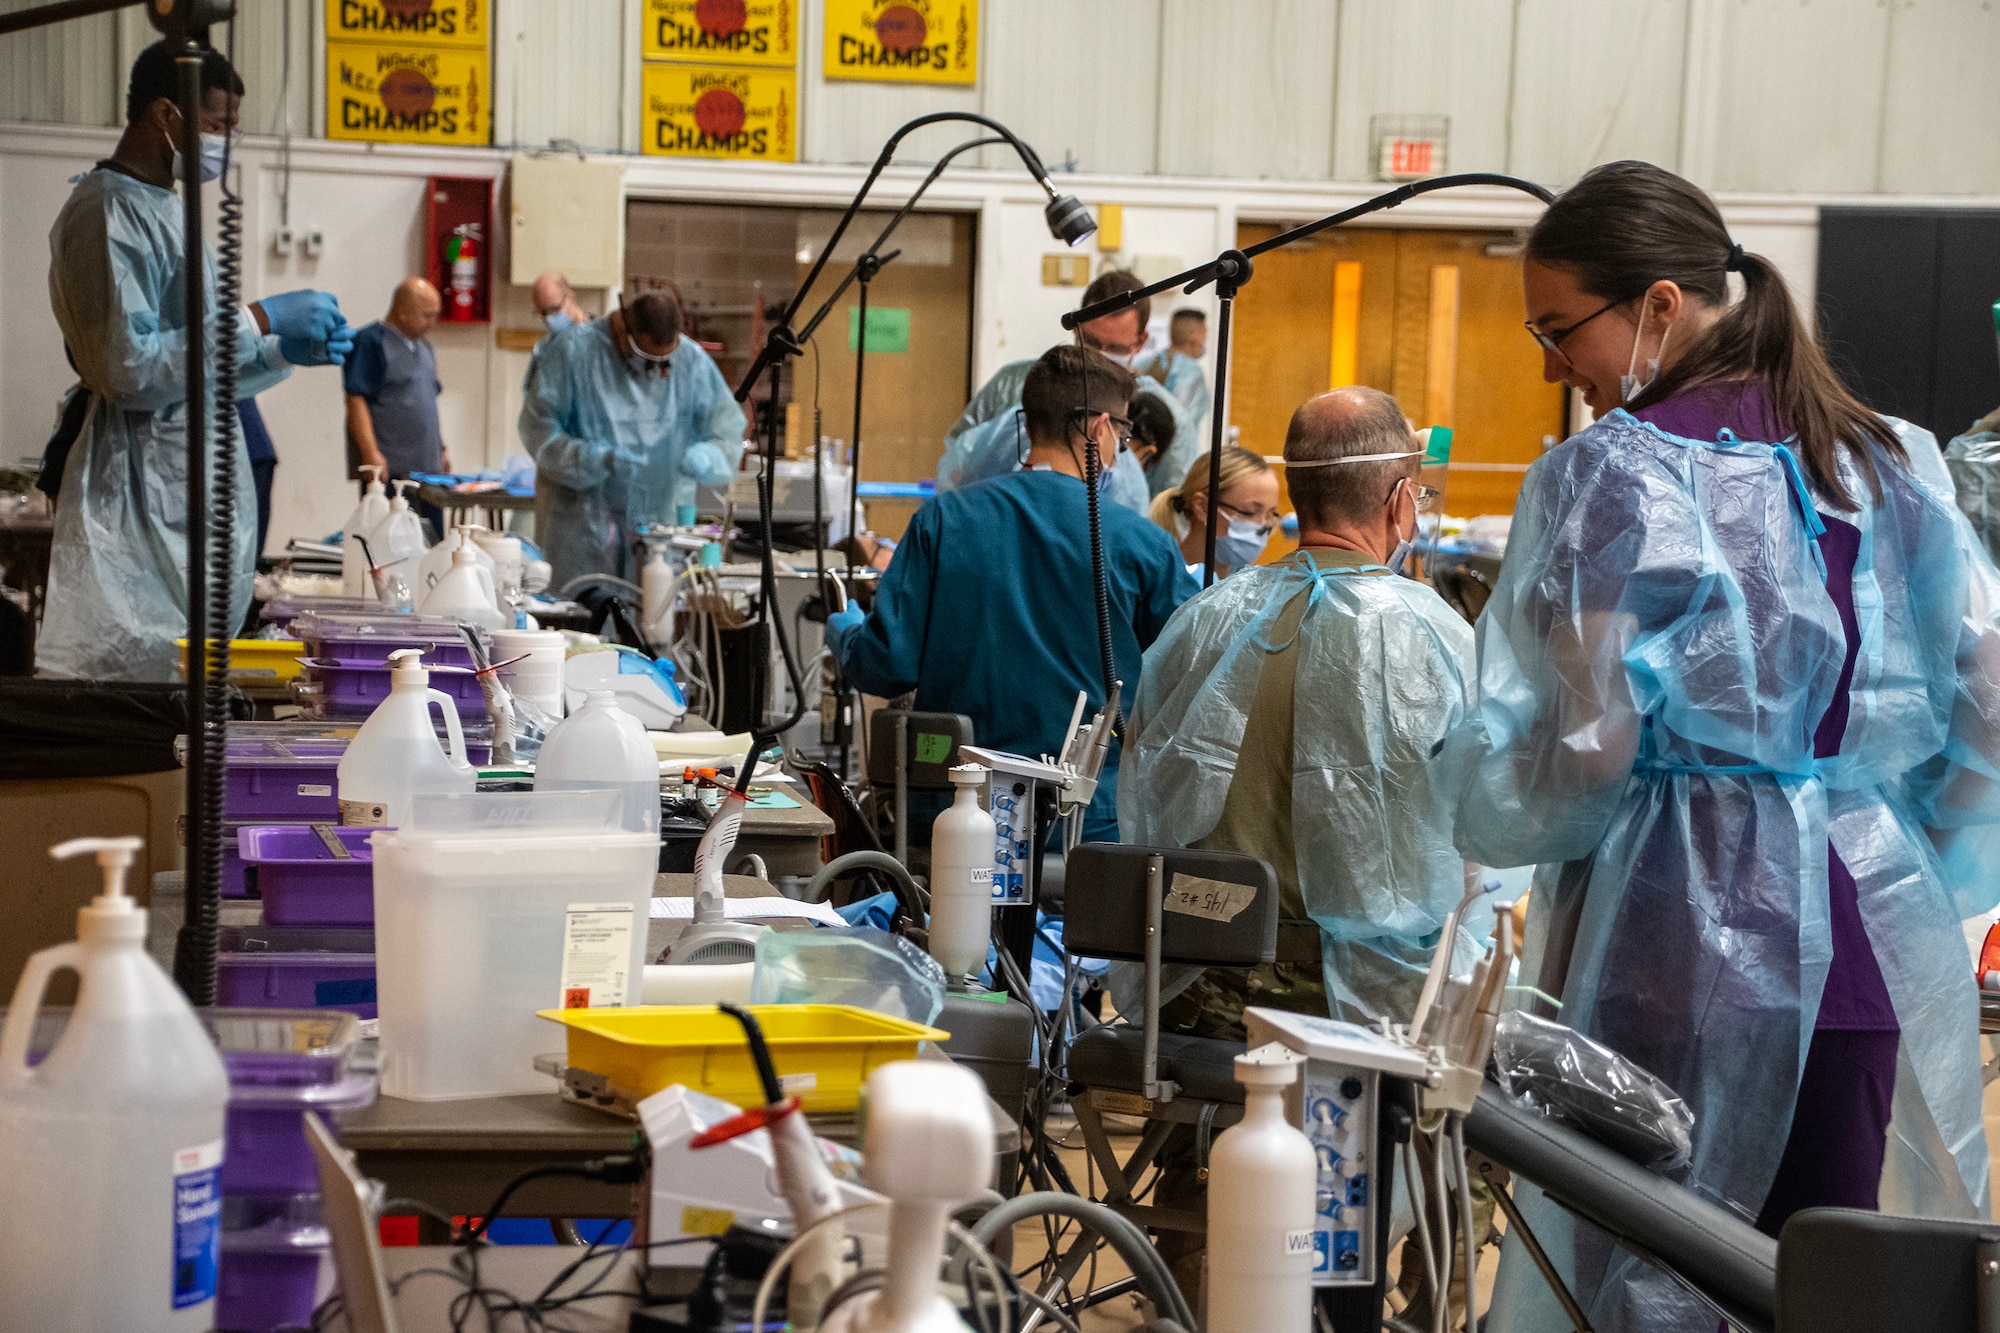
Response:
column 557, row 320
column 1239, row 547
column 214, row 152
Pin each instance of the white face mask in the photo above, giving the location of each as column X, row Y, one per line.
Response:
column 1629, row 385
column 214, row 152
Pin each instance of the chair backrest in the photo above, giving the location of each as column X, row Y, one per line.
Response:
column 1871, row 1273
column 932, row 739
column 851, row 829
column 1221, row 908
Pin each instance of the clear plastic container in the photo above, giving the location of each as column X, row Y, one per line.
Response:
column 491, row 907
column 371, row 638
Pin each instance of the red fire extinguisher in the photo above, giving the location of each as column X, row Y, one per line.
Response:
column 461, row 251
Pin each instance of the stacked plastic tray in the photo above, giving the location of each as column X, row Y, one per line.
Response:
column 347, row 662
column 282, row 1064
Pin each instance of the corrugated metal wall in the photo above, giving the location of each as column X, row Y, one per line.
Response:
column 1811, row 96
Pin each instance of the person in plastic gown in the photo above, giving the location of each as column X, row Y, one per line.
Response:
column 1739, row 700
column 118, row 575
column 990, row 438
column 624, row 417
column 1178, row 367
column 1974, row 461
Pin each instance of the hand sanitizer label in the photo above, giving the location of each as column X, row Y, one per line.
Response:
column 197, row 1222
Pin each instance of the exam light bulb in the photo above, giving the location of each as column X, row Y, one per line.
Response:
column 1069, row 221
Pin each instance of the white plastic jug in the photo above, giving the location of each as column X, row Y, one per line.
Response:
column 599, row 746
column 962, row 877
column 437, row 561
column 111, row 1147
column 396, row 754
column 397, row 542
column 373, row 508
column 1262, row 1177
column 536, row 673
column 466, row 593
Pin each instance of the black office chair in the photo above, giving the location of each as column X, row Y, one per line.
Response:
column 1154, row 906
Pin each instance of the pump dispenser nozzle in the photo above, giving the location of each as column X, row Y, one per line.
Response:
column 112, row 915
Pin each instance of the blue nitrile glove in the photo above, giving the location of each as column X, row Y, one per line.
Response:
column 704, row 462
column 841, row 624
column 310, row 328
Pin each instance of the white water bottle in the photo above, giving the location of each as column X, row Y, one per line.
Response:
column 111, row 1147
column 602, row 746
column 374, row 507
column 396, row 754
column 962, row 878
column 1261, row 1179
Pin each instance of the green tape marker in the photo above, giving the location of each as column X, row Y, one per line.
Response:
column 1438, row 452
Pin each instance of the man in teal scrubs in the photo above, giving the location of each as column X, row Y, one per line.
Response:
column 987, row 608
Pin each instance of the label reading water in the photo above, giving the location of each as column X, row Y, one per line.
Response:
column 197, row 1222
column 363, row 814
column 1299, row 1242
column 980, row 875
column 597, row 954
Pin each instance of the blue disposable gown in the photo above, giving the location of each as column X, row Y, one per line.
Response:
column 1974, row 459
column 987, row 610
column 990, row 439
column 1653, row 663
column 613, row 450
column 1383, row 671
column 1183, row 378
column 117, row 595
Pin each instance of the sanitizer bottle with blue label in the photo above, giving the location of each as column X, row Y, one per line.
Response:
column 111, row 1145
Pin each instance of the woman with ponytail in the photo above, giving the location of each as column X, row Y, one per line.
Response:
column 1249, row 511
column 1740, row 703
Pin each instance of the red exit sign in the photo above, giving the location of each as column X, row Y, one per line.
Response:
column 1400, row 159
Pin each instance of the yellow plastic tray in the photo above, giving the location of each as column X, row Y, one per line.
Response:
column 647, row 1047
column 263, row 659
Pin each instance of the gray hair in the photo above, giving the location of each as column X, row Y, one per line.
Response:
column 1354, row 422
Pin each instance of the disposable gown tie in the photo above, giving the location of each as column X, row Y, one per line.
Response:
column 613, row 450
column 117, row 595
column 1383, row 670
column 1653, row 664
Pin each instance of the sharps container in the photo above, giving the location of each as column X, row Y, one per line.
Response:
column 488, row 908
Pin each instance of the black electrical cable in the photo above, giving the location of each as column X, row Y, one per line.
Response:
column 616, row 1169
column 1093, row 466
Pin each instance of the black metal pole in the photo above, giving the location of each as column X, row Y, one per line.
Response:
column 1233, row 270
column 196, row 965
column 866, row 269
column 22, row 20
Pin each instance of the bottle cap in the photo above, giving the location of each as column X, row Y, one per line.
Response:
column 112, row 915
column 406, row 667
column 1273, row 1065
column 968, row 775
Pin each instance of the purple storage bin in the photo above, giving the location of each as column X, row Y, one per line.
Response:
column 283, row 1048
column 304, row 884
column 349, row 689
column 265, row 1131
column 296, row 968
column 282, row 779
column 369, row 639
column 269, row 1278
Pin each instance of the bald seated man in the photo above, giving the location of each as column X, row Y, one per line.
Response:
column 392, row 390
column 555, row 302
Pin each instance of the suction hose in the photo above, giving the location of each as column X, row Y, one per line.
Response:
column 907, row 892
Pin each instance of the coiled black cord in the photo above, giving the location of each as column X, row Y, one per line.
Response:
column 204, row 891
column 1093, row 467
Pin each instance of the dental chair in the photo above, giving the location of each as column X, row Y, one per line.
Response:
column 1159, row 906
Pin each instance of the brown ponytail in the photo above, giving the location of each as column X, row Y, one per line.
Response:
column 1627, row 225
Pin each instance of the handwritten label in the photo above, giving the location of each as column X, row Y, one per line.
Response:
column 1210, row 899
column 1298, row 1242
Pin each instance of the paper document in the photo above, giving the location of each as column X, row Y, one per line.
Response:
column 750, row 909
